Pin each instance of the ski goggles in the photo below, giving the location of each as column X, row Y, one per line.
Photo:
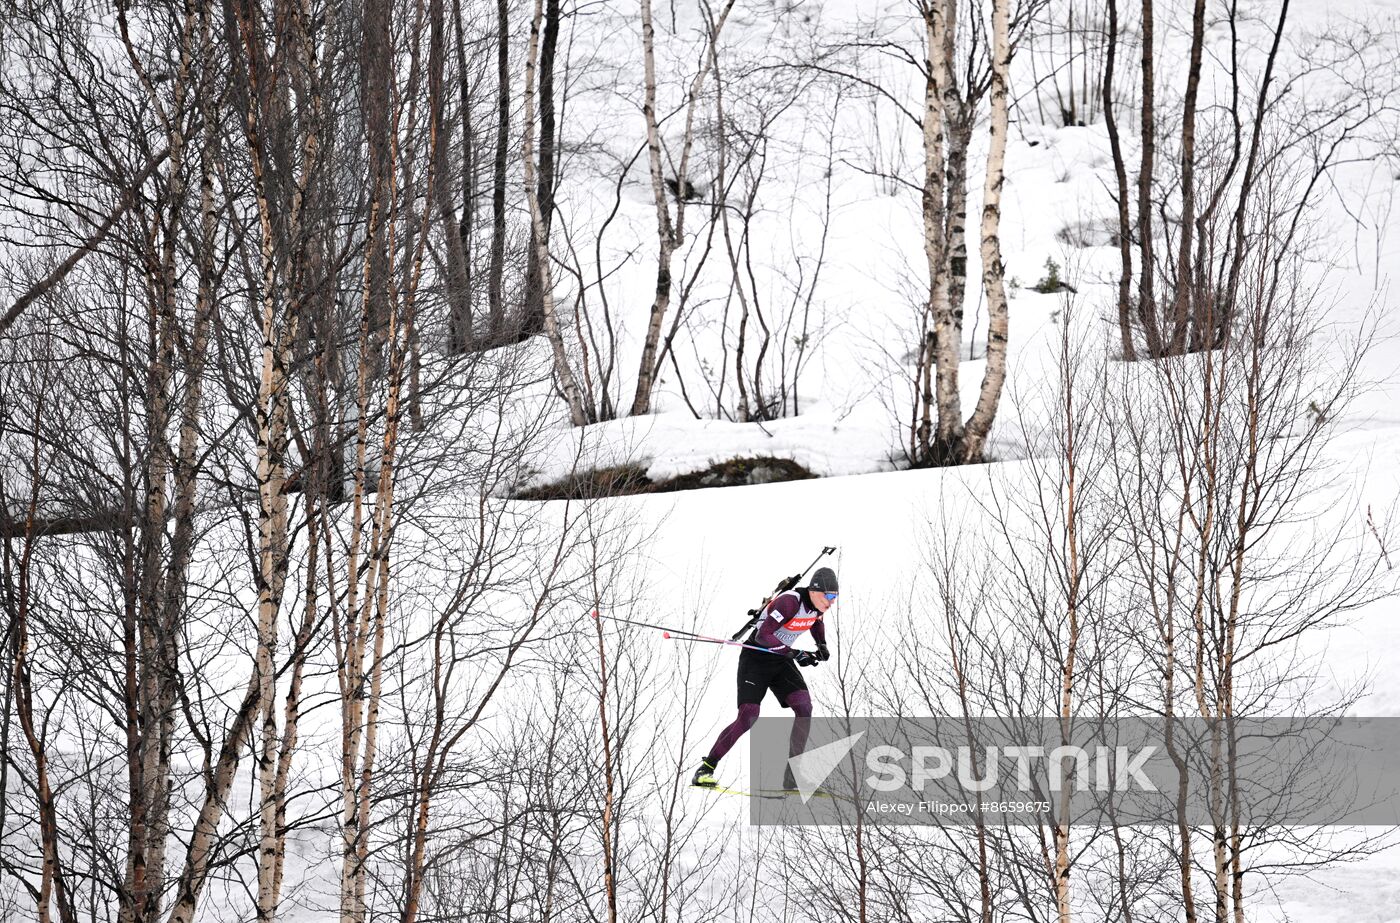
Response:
column 830, row 597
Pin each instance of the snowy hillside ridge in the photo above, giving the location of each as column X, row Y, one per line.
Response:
column 856, row 202
column 845, row 425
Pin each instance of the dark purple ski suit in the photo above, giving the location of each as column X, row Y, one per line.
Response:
column 783, row 621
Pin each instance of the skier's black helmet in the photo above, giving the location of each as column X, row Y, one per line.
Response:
column 823, row 581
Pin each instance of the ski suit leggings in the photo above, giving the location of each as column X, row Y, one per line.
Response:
column 801, row 704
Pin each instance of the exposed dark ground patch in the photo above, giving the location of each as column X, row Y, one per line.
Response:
column 625, row 480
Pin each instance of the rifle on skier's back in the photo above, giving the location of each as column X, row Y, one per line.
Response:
column 787, row 583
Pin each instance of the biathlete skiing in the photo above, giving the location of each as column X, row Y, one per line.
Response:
column 780, row 624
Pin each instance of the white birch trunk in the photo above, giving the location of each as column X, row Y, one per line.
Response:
column 162, row 584
column 993, row 272
column 938, row 386
column 665, row 236
column 668, row 237
column 567, row 382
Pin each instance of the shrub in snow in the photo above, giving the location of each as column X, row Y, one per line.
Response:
column 1052, row 282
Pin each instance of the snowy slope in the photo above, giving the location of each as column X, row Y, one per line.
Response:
column 711, row 554
column 736, row 542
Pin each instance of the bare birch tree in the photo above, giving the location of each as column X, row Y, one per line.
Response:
column 669, row 233
column 959, row 71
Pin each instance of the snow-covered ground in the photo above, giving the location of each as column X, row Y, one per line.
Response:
column 709, row 555
column 736, row 542
column 713, row 553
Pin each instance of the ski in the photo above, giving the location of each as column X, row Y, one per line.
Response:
column 761, row 793
column 719, row 789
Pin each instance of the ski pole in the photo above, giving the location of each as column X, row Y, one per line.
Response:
column 673, row 633
column 705, row 640
column 618, row 618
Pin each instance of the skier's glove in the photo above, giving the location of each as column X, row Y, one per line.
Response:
column 805, row 658
column 823, row 652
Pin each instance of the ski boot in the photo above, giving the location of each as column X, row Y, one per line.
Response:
column 705, row 776
column 790, row 786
